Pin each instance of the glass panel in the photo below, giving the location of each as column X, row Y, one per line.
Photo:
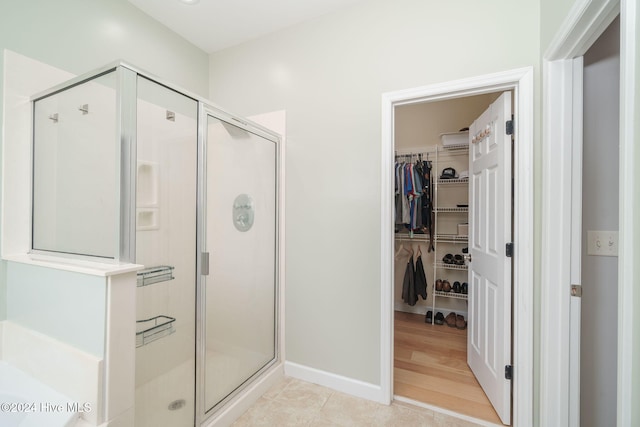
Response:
column 75, row 170
column 241, row 239
column 166, row 246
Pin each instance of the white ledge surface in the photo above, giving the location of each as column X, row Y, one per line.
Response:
column 77, row 266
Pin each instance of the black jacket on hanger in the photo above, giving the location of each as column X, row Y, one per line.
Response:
column 408, row 285
column 420, row 281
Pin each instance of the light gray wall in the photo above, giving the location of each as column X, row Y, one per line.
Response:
column 599, row 334
column 78, row 36
column 328, row 75
column 552, row 14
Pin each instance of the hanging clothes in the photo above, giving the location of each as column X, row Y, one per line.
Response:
column 408, row 196
column 420, row 281
column 414, row 196
column 427, row 201
column 402, row 203
column 408, row 284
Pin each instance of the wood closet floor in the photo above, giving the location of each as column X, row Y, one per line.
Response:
column 430, row 366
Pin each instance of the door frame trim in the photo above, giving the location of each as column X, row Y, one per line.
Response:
column 520, row 81
column 628, row 411
column 560, row 247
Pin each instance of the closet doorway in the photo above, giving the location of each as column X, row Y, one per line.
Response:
column 430, row 364
column 430, row 349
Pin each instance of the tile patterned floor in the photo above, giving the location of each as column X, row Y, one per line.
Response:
column 297, row 403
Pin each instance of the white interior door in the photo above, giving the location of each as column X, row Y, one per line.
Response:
column 489, row 335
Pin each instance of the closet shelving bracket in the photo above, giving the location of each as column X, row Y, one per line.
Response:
column 440, row 264
column 453, row 295
column 451, row 238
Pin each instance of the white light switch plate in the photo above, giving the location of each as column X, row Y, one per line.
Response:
column 602, row 243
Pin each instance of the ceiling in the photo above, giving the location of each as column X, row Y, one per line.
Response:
column 213, row 25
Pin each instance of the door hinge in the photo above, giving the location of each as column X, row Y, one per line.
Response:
column 510, row 126
column 509, row 249
column 508, row 372
column 576, row 291
column 204, row 263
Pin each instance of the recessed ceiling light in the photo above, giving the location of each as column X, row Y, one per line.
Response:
column 190, row 2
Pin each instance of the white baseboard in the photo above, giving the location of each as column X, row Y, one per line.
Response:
column 336, row 382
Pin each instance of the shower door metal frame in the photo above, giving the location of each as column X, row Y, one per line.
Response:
column 204, row 414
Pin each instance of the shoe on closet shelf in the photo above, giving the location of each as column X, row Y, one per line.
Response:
column 439, row 319
column 439, row 285
column 446, row 286
column 460, row 322
column 464, row 288
column 456, row 287
column 458, row 259
column 451, row 320
column 448, row 259
column 428, row 318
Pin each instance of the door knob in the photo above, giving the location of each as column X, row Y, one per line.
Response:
column 467, row 257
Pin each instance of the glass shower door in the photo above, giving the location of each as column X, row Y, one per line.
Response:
column 240, row 308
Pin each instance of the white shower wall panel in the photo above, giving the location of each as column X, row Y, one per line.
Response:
column 171, row 147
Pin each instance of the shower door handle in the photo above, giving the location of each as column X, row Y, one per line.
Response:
column 204, row 263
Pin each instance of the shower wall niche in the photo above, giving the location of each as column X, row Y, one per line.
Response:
column 128, row 169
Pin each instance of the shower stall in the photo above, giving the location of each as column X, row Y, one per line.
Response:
column 129, row 169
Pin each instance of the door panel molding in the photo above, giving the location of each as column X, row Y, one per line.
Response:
column 490, row 221
column 520, row 81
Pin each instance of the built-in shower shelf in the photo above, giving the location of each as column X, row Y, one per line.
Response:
column 160, row 273
column 149, row 330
